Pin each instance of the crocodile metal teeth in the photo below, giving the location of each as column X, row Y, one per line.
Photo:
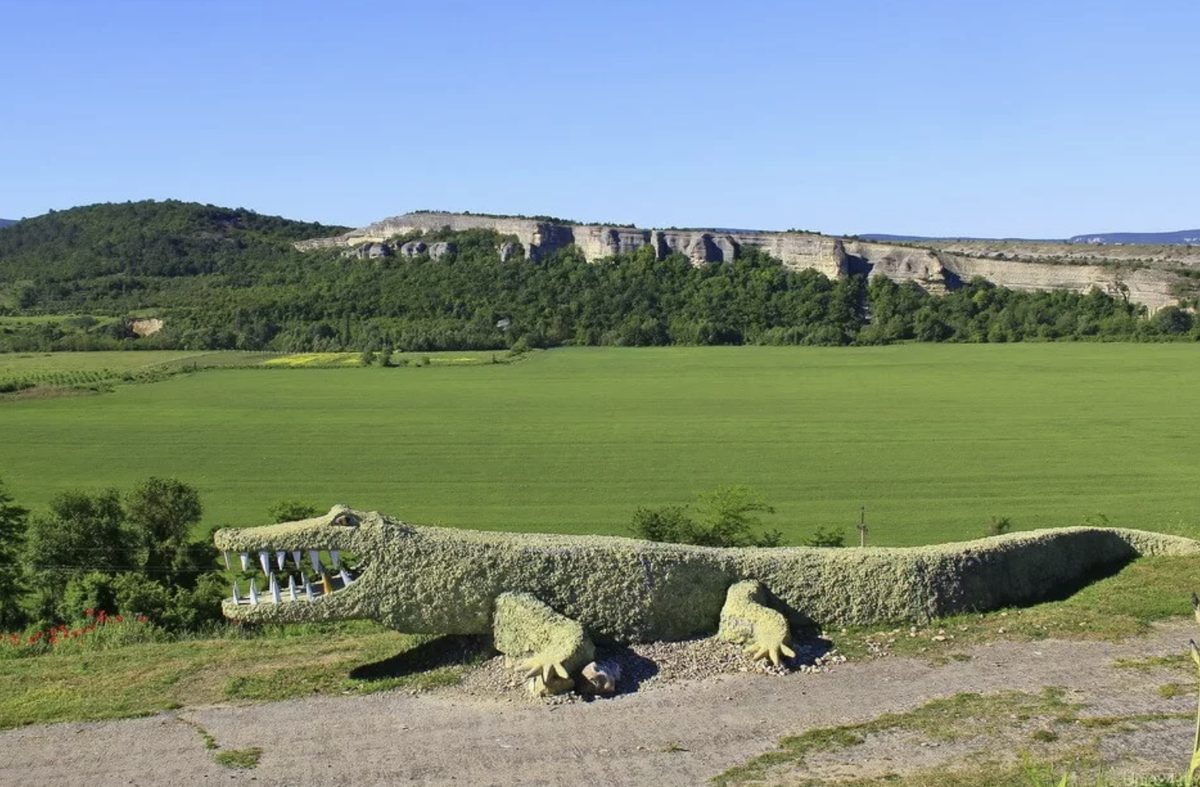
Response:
column 274, row 563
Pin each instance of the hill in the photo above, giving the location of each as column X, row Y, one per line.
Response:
column 146, row 238
column 1141, row 238
column 7, row 223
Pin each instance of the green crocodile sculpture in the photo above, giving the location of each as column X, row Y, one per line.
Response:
column 545, row 598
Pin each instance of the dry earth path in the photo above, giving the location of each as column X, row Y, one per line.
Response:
column 680, row 733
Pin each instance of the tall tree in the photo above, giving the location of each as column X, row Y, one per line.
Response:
column 161, row 512
column 82, row 532
column 12, row 537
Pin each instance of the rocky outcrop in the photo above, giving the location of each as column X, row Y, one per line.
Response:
column 369, row 251
column 924, row 267
column 525, row 230
column 597, row 242
column 1146, row 286
column 439, row 250
column 413, row 248
column 147, row 326
column 800, row 250
column 934, row 269
column 508, row 250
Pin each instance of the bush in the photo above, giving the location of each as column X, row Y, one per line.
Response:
column 138, row 595
column 826, row 537
column 670, row 523
column 999, row 526
column 291, row 510
column 90, row 591
column 727, row 519
column 197, row 608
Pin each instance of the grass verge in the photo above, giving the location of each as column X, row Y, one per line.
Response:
column 1123, row 605
column 276, row 664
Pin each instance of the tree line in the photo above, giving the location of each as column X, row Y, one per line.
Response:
column 234, row 282
column 120, row 551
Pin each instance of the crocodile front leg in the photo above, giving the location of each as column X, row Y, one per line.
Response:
column 746, row 618
column 551, row 648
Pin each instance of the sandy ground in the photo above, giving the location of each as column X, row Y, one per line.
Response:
column 678, row 734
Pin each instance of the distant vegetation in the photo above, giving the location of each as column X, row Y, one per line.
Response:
column 230, row 279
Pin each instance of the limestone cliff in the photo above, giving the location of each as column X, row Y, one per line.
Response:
column 796, row 250
column 898, row 263
column 935, row 269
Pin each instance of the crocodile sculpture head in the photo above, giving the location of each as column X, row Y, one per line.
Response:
column 308, row 573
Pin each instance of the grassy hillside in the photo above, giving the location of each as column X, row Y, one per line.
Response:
column 137, row 239
column 119, row 260
column 932, row 439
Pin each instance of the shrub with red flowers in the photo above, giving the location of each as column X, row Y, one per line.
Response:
column 96, row 631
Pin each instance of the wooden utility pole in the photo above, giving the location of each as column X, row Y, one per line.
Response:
column 862, row 526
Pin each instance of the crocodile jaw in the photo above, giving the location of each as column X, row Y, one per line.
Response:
column 298, row 574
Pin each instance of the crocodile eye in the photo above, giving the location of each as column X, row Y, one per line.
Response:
column 346, row 520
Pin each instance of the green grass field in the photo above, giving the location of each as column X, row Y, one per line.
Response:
column 33, row 364
column 932, row 439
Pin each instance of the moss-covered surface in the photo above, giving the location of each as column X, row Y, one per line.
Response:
column 746, row 619
column 442, row 580
column 545, row 642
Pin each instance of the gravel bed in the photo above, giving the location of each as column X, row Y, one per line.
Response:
column 647, row 666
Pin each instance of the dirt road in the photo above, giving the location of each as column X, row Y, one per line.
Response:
column 678, row 734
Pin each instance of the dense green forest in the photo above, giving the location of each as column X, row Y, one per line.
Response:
column 230, row 279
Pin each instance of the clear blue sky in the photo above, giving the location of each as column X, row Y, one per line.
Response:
column 1039, row 119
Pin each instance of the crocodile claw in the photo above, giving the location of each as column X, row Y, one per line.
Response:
column 536, row 668
column 774, row 652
